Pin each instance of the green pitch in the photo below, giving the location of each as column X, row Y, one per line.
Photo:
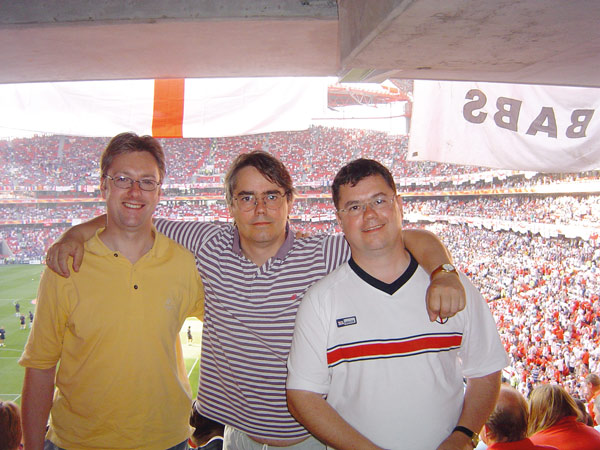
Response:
column 20, row 283
column 17, row 283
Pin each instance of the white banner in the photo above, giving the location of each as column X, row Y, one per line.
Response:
column 519, row 127
column 82, row 108
column 240, row 106
column 211, row 107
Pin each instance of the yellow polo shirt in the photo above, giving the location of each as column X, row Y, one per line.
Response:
column 114, row 328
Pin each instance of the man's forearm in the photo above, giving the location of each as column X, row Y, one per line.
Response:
column 427, row 249
column 480, row 399
column 324, row 422
column 85, row 230
column 38, row 389
column 445, row 295
column 71, row 243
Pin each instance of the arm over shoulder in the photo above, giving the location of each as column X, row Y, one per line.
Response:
column 192, row 235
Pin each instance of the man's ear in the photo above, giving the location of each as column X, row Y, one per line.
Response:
column 103, row 188
column 339, row 219
column 486, row 435
column 229, row 209
column 399, row 203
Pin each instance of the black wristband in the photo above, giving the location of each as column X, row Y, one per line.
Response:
column 471, row 434
column 464, row 430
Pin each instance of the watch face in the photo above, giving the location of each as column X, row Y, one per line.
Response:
column 448, row 267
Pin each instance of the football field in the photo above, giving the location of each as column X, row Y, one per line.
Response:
column 19, row 283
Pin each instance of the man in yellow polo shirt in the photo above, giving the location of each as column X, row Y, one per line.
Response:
column 117, row 385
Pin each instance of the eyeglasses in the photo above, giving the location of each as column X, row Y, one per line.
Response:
column 126, row 183
column 272, row 200
column 377, row 204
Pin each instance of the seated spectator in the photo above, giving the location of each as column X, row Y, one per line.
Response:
column 585, row 416
column 10, row 426
column 208, row 434
column 592, row 392
column 553, row 420
column 506, row 428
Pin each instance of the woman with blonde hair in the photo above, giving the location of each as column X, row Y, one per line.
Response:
column 10, row 426
column 553, row 420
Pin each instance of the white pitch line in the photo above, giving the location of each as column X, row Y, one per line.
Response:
column 8, row 349
column 193, row 366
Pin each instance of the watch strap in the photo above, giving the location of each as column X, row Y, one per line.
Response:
column 441, row 268
column 471, row 434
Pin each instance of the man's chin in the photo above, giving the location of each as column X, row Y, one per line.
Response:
column 266, row 236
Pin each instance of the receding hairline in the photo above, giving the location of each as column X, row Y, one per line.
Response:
column 593, row 379
column 509, row 397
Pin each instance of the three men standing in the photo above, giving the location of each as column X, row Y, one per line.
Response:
column 255, row 274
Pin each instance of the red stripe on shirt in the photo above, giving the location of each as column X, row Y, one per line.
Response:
column 401, row 348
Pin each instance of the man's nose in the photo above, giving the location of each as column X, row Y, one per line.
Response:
column 261, row 204
column 135, row 187
column 368, row 209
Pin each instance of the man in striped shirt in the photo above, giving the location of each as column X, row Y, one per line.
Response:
column 255, row 273
column 367, row 368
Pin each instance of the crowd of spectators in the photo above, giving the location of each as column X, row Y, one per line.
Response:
column 54, row 162
column 563, row 209
column 544, row 296
column 22, row 244
column 49, row 213
column 543, row 292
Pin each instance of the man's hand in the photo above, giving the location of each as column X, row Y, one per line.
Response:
column 57, row 258
column 445, row 296
column 456, row 441
column 71, row 244
column 324, row 422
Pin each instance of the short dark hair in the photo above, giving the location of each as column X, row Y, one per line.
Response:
column 585, row 415
column 508, row 421
column 129, row 143
column 269, row 166
column 357, row 170
column 204, row 428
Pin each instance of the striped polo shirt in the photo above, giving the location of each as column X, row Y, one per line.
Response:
column 249, row 321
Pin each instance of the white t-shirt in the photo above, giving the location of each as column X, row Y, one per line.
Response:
column 388, row 371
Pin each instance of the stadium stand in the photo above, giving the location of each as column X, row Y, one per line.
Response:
column 529, row 241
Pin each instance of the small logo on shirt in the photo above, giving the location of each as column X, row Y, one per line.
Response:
column 169, row 304
column 344, row 322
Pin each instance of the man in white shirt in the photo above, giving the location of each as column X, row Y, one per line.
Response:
column 367, row 368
